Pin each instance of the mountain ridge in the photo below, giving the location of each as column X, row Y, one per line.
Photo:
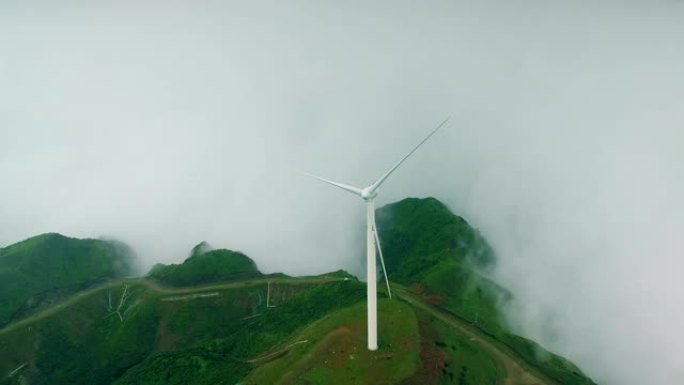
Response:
column 37, row 266
column 205, row 267
column 444, row 327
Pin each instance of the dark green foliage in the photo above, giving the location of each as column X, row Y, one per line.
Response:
column 426, row 245
column 165, row 337
column 413, row 229
column 97, row 354
column 225, row 360
column 463, row 376
column 51, row 261
column 461, row 359
column 205, row 267
column 210, row 334
column 442, row 257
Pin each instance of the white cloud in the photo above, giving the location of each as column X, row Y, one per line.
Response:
column 167, row 124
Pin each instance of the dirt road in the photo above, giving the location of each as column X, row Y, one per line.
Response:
column 165, row 290
column 516, row 371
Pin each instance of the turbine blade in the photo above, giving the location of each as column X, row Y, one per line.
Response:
column 377, row 183
column 343, row 186
column 382, row 259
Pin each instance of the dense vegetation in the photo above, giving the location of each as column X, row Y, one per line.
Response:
column 48, row 265
column 443, row 327
column 204, row 266
column 226, row 359
column 166, row 336
column 443, row 259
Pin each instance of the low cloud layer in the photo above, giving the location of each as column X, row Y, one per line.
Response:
column 167, row 124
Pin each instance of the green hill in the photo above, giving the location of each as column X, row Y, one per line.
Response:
column 216, row 320
column 44, row 268
column 204, row 266
column 136, row 332
column 444, row 260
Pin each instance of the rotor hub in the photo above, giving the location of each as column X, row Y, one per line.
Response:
column 367, row 193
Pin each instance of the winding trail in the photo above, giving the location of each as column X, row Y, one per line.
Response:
column 162, row 290
column 517, row 371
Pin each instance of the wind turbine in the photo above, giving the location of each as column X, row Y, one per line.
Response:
column 368, row 194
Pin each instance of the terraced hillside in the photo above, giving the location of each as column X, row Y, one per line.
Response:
column 442, row 258
column 224, row 322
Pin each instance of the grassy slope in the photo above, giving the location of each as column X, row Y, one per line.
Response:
column 458, row 358
column 335, row 348
column 50, row 261
column 465, row 363
column 510, row 365
column 227, row 359
column 224, row 333
column 434, row 251
column 170, row 336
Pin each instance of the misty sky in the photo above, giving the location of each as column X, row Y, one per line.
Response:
column 166, row 123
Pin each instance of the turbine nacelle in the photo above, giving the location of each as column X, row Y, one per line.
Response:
column 368, row 193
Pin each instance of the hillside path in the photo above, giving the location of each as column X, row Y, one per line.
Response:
column 161, row 289
column 517, row 372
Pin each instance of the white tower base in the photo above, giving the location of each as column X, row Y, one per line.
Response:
column 371, row 277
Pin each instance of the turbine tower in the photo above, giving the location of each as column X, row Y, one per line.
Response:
column 368, row 194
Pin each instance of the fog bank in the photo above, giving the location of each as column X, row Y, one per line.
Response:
column 164, row 124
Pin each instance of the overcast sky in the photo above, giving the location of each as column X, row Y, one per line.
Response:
column 167, row 123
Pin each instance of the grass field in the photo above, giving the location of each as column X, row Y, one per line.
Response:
column 334, row 347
